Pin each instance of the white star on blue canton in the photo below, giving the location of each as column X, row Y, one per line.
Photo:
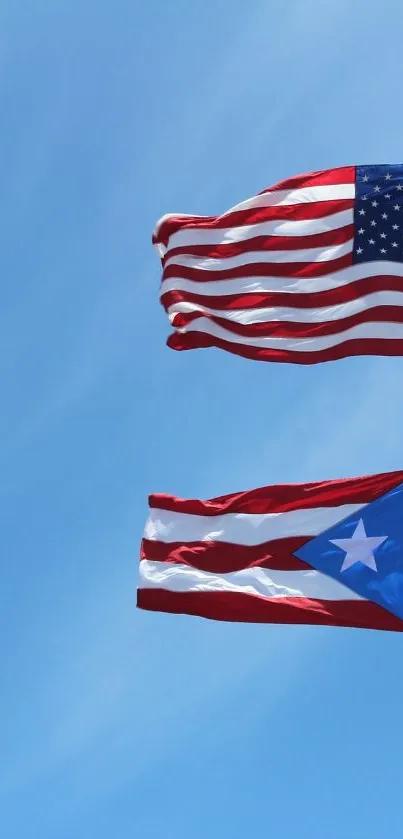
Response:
column 359, row 250
column 371, row 241
column 374, row 203
column 359, row 548
column 383, row 235
column 388, row 177
column 395, row 227
column 362, row 213
column 396, row 207
column 377, row 189
column 365, row 178
column 361, row 231
column 384, row 215
column 383, row 250
column 394, row 245
column 399, row 187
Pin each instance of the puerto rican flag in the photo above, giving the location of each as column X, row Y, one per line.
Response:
column 326, row 553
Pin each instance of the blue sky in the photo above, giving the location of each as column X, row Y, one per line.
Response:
column 115, row 723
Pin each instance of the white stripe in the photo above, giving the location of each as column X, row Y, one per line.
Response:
column 305, row 195
column 321, row 314
column 291, row 285
column 384, row 331
column 228, row 235
column 243, row 528
column 261, row 581
column 324, row 254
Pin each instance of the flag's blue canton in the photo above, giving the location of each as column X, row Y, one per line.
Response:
column 378, row 214
column 381, row 518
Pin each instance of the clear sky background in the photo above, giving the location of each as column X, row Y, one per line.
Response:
column 114, row 723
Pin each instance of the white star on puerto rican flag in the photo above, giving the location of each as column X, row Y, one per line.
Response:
column 359, row 548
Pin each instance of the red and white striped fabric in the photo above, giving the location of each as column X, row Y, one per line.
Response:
column 232, row 558
column 276, row 277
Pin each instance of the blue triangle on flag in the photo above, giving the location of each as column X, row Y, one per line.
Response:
column 365, row 551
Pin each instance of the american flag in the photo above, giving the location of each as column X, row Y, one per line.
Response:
column 238, row 557
column 309, row 270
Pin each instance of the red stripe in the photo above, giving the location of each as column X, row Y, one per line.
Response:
column 252, row 215
column 250, row 608
column 309, row 300
column 222, row 557
column 260, row 269
column 265, row 243
column 282, row 498
column 356, row 346
column 323, row 177
column 291, row 329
